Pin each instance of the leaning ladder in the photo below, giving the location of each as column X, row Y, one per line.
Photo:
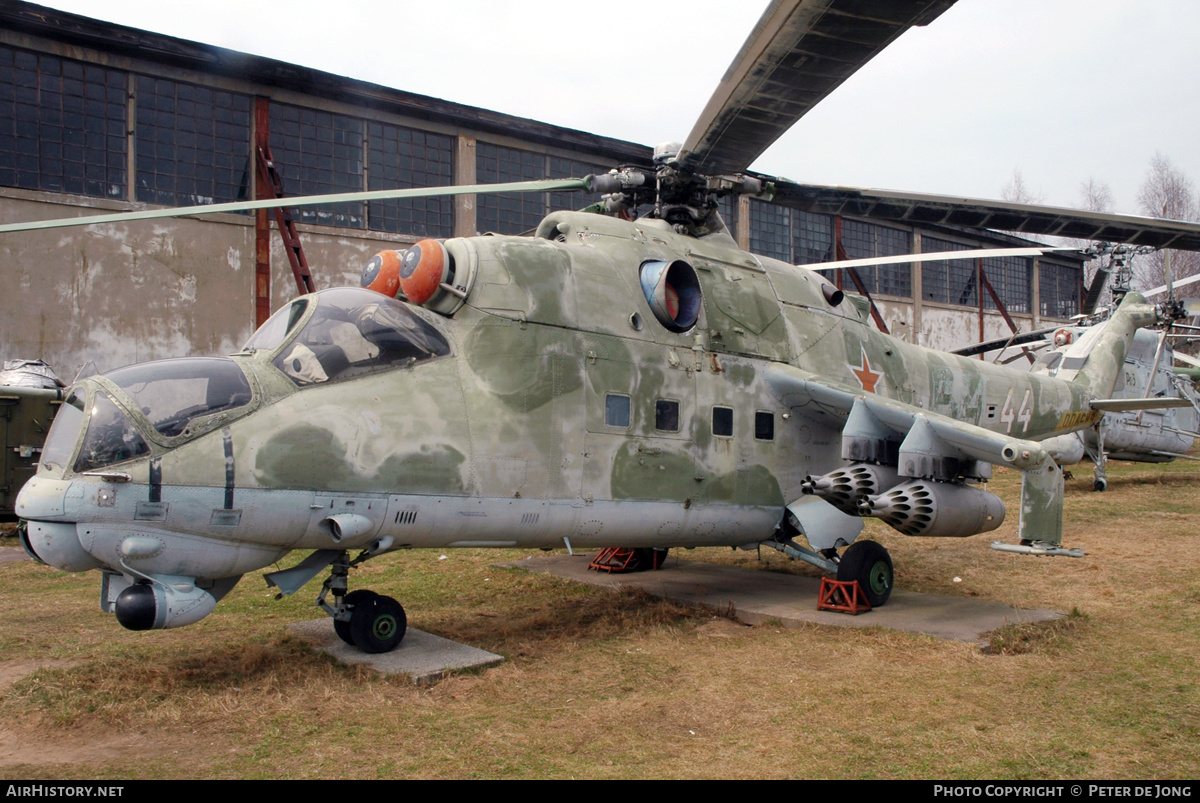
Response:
column 273, row 185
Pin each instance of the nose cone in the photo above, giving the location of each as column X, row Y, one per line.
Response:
column 56, row 543
column 42, row 498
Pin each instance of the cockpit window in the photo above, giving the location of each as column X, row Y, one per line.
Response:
column 273, row 332
column 355, row 332
column 171, row 393
column 61, row 441
column 110, row 437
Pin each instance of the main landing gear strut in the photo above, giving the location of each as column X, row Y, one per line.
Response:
column 372, row 622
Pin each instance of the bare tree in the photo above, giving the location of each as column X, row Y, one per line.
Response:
column 1167, row 192
column 1018, row 192
column 1094, row 196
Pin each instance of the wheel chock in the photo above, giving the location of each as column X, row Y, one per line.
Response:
column 615, row 560
column 843, row 596
column 618, row 560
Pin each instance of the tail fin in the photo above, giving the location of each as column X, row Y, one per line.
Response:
column 1098, row 357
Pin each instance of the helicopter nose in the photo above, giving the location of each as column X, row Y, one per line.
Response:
column 42, row 498
column 56, row 543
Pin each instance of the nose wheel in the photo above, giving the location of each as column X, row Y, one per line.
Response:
column 377, row 624
column 371, row 622
column 374, row 623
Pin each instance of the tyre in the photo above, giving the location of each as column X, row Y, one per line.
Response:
column 871, row 565
column 646, row 559
column 353, row 598
column 378, row 625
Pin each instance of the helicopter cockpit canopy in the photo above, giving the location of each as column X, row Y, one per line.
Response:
column 346, row 332
column 175, row 398
column 172, row 393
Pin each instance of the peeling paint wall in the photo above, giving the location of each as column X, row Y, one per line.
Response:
column 124, row 293
column 948, row 328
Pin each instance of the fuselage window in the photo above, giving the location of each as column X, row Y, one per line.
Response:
column 722, row 421
column 764, row 426
column 616, row 410
column 666, row 415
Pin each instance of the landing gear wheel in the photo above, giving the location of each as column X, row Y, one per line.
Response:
column 1100, row 484
column 871, row 565
column 353, row 598
column 652, row 558
column 377, row 625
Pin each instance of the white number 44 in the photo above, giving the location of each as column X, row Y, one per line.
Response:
column 1024, row 414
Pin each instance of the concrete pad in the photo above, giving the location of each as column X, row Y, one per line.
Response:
column 11, row 554
column 422, row 656
column 755, row 597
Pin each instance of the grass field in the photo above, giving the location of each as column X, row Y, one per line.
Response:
column 601, row 684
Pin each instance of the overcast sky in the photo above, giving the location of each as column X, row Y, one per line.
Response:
column 1064, row 90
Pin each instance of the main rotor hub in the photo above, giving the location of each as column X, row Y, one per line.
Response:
column 682, row 197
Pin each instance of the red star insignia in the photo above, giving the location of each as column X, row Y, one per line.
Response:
column 866, row 377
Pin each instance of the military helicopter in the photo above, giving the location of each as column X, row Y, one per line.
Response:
column 626, row 376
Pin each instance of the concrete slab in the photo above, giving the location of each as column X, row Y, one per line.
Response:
column 755, row 597
column 422, row 656
column 11, row 554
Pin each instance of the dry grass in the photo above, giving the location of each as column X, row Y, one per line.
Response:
column 1023, row 637
column 619, row 685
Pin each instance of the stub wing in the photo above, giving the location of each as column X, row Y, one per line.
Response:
column 934, row 452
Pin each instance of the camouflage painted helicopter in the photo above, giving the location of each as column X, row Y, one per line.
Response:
column 626, row 376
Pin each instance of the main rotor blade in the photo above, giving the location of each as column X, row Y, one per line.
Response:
column 301, row 200
column 935, row 256
column 799, row 52
column 977, row 213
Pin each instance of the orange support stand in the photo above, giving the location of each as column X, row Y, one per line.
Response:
column 617, row 560
column 844, row 596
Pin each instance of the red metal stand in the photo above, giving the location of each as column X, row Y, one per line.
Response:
column 843, row 596
column 617, row 560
